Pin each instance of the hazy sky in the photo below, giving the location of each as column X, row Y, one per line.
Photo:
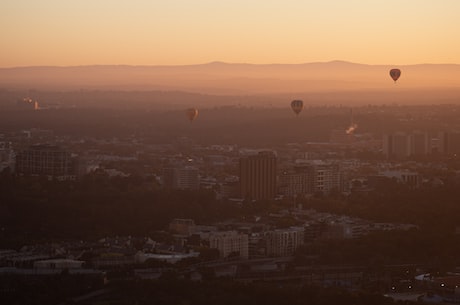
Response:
column 165, row 32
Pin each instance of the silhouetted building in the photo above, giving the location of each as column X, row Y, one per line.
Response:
column 396, row 145
column 258, row 176
column 181, row 178
column 46, row 160
column 402, row 145
column 420, row 144
column 449, row 142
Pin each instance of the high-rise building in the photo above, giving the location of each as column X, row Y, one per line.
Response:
column 317, row 177
column 258, row 176
column 402, row 145
column 181, row 178
column 420, row 144
column 298, row 181
column 449, row 142
column 46, row 160
column 327, row 178
column 283, row 242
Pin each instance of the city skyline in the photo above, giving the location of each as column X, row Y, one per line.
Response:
column 179, row 32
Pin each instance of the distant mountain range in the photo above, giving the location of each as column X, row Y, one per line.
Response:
column 235, row 79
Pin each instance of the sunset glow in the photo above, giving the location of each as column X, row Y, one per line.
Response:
column 143, row 32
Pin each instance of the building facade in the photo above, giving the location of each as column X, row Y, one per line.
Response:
column 284, row 242
column 230, row 243
column 403, row 145
column 181, row 178
column 46, row 160
column 258, row 176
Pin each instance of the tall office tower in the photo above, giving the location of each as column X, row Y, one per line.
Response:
column 449, row 142
column 396, row 145
column 402, row 145
column 46, row 160
column 258, row 176
column 419, row 144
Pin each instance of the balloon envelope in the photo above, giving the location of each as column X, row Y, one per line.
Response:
column 191, row 113
column 297, row 106
column 395, row 74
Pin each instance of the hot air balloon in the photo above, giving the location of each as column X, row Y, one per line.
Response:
column 297, row 106
column 191, row 113
column 395, row 74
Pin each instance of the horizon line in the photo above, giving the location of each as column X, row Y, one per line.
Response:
column 217, row 62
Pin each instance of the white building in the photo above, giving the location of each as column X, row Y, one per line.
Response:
column 230, row 242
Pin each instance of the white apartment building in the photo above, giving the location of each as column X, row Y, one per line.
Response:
column 230, row 242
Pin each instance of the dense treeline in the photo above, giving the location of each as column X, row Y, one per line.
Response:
column 435, row 251
column 434, row 242
column 431, row 208
column 64, row 289
column 35, row 208
column 96, row 205
column 227, row 292
column 242, row 125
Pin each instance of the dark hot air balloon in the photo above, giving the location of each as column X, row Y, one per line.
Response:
column 297, row 106
column 191, row 113
column 395, row 74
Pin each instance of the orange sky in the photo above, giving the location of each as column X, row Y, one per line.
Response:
column 175, row 32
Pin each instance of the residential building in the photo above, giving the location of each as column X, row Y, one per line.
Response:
column 230, row 243
column 284, row 242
